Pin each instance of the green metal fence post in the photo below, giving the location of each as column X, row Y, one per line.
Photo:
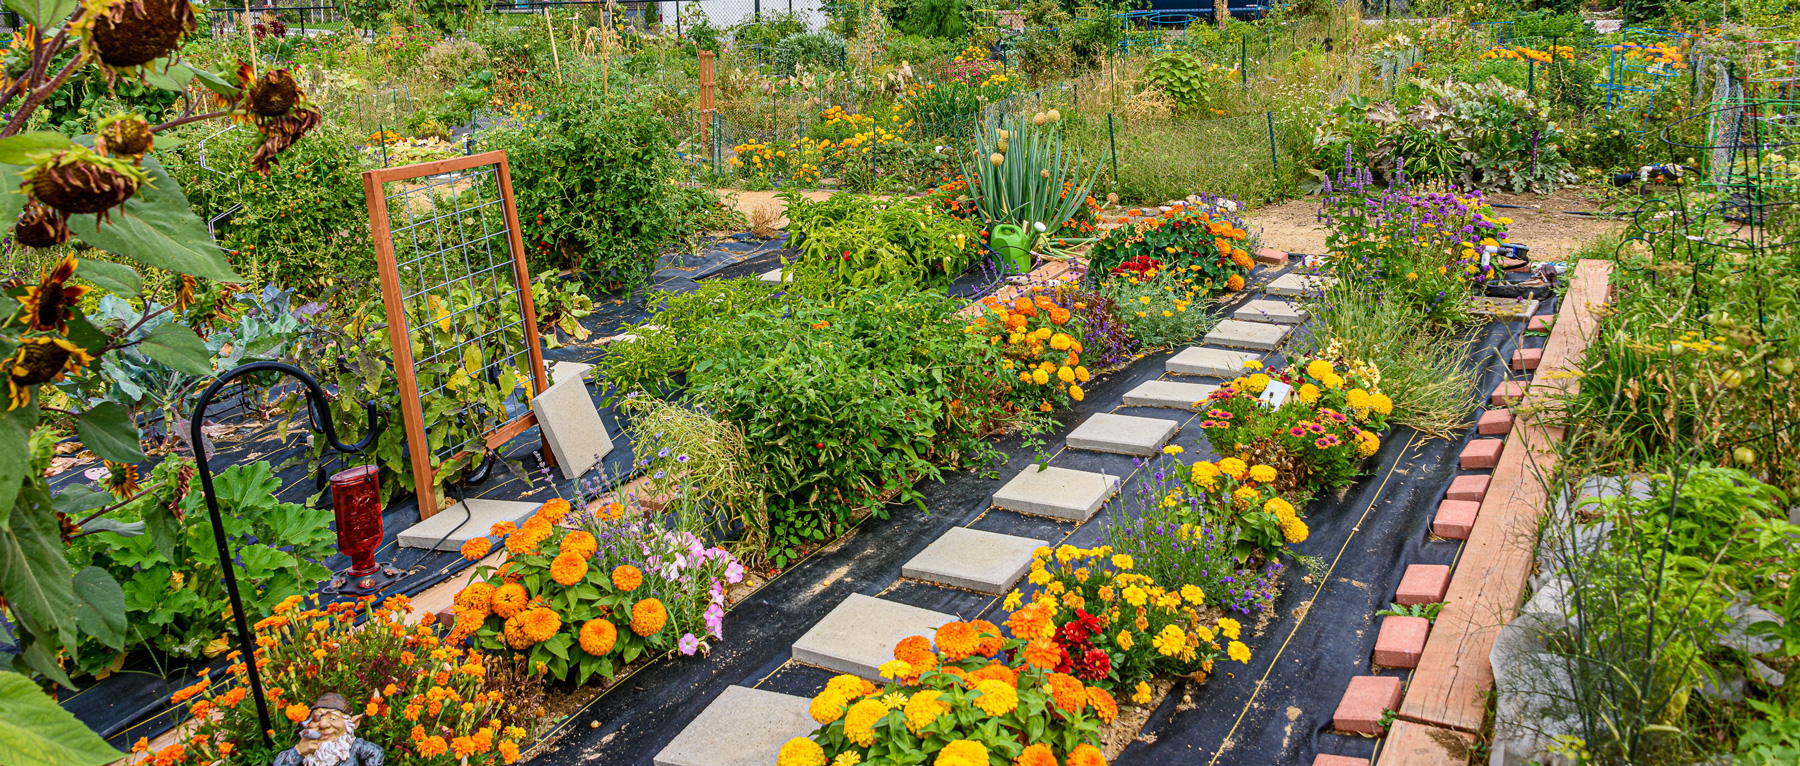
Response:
column 1112, row 141
column 1274, row 163
column 1243, row 59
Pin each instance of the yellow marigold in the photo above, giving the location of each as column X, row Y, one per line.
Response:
column 1238, row 651
column 1308, row 393
column 1294, row 530
column 1233, row 467
column 849, row 686
column 1085, row 755
column 1367, row 443
column 580, row 544
column 1036, row 755
column 1193, row 594
column 553, row 511
column 1068, row 693
column 957, row 640
column 476, row 597
column 895, row 670
column 648, row 617
column 1104, row 704
column 1382, row 404
column 627, row 578
column 860, row 720
column 540, row 624
column 962, row 752
column 1076, row 393
column 1256, row 383
column 847, row 758
column 995, row 671
column 1281, row 509
column 1060, row 342
column 800, row 751
column 1333, row 381
column 1043, row 653
column 923, row 708
column 1263, row 473
column 1230, row 627
column 475, row 548
column 509, row 599
column 1124, row 640
column 1040, row 377
column 827, row 707
column 996, row 697
column 1121, row 561
column 598, row 637
column 1319, row 369
column 1244, row 494
column 1141, row 694
column 1170, row 641
column 568, row 568
column 1134, row 595
column 1204, row 471
column 1358, row 399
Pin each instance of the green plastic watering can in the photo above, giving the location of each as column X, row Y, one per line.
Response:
column 1014, row 246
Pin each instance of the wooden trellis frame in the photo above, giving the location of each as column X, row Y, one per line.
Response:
column 465, row 263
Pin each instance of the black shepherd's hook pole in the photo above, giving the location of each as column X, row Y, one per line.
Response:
column 321, row 418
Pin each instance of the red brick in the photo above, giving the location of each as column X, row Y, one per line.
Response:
column 1468, row 488
column 1539, row 324
column 1360, row 711
column 1495, row 422
column 1509, row 392
column 1401, row 641
column 1455, row 519
column 1324, row 759
column 1527, row 359
column 1482, row 453
column 1271, row 257
column 1423, row 584
column 446, row 617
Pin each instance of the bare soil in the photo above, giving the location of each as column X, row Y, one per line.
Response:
column 1539, row 222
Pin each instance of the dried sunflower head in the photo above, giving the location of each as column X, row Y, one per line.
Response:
column 40, row 225
column 39, row 360
column 124, row 135
column 276, row 105
column 126, row 34
column 76, row 181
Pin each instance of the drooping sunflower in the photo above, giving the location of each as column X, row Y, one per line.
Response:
column 122, row 480
column 273, row 103
column 42, row 359
column 49, row 303
column 125, row 34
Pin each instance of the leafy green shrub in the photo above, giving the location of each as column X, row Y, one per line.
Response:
column 1194, row 84
column 851, row 240
column 168, row 564
column 592, row 183
column 937, row 18
column 813, row 50
column 1158, row 307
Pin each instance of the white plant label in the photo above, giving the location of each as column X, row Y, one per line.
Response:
column 1276, row 394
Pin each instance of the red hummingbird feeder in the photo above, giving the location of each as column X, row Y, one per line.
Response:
column 356, row 503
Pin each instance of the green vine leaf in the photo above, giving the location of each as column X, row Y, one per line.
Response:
column 178, row 347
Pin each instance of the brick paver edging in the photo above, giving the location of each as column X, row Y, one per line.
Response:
column 1448, row 692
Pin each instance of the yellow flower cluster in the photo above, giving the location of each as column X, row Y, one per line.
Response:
column 1038, row 343
column 1522, row 53
column 1125, row 593
column 1659, row 54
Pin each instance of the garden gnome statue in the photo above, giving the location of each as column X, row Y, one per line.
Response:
column 328, row 738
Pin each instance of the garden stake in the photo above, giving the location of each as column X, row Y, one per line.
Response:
column 1274, row 164
column 554, row 56
column 321, row 417
column 1112, row 140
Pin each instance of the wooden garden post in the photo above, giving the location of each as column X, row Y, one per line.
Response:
column 706, row 98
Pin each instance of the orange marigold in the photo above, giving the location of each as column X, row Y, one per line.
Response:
column 1068, row 693
column 553, row 511
column 1042, row 653
column 648, row 617
column 431, row 747
column 476, row 597
column 568, row 568
column 627, row 578
column 997, row 671
column 957, row 640
column 540, row 623
column 1036, row 755
column 525, row 540
column 1086, row 755
column 509, row 752
column 1104, row 704
column 915, row 651
column 509, row 599
column 475, row 548
column 988, row 641
column 1234, row 283
column 581, row 544
column 1031, row 621
column 598, row 637
column 502, row 529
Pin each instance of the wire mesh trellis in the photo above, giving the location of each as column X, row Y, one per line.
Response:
column 459, row 310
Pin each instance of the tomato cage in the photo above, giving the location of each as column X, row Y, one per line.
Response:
column 1748, row 158
column 1644, row 61
column 1772, row 67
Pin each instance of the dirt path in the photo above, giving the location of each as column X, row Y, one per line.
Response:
column 1539, row 223
column 748, row 201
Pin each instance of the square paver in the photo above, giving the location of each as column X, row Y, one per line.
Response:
column 1508, row 392
column 773, row 275
column 1291, row 285
column 1423, row 584
column 1275, row 312
column 572, row 427
column 1482, row 453
column 565, row 370
column 1401, row 641
column 1360, row 711
column 742, row 727
column 1122, row 434
column 1526, row 359
column 1495, row 422
column 1455, row 519
column 1215, row 362
column 481, row 515
column 1468, row 488
column 1327, row 759
column 1540, row 323
column 861, row 633
column 1061, row 493
column 1237, row 333
column 1168, row 393
column 984, row 562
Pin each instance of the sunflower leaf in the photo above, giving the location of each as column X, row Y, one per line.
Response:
column 18, row 150
column 35, row 731
column 12, row 201
column 100, row 606
column 177, row 346
column 108, row 430
column 115, row 278
column 157, row 228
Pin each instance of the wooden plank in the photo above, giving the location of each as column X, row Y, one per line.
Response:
column 1450, row 687
column 438, row 167
column 394, row 302
column 1414, row 744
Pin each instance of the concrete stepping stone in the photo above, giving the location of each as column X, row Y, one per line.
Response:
column 1168, row 393
column 1060, row 493
column 1237, row 333
column 572, row 426
column 1455, row 519
column 1123, row 434
column 774, row 275
column 1215, row 362
column 1401, row 641
column 860, row 634
column 1274, row 312
column 1495, row 422
column 1291, row 285
column 984, row 562
column 1360, row 711
column 482, row 515
column 566, row 370
column 1423, row 584
column 742, row 727
column 1482, row 453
